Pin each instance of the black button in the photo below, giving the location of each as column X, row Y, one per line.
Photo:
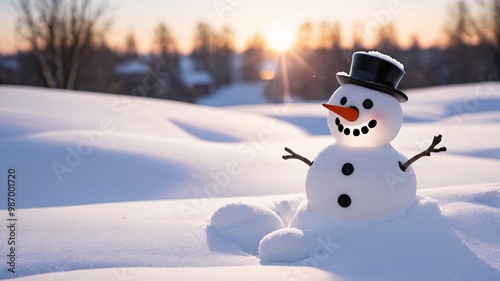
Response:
column 364, row 130
column 372, row 123
column 347, row 169
column 347, row 131
column 355, row 132
column 344, row 200
column 337, row 121
column 341, row 128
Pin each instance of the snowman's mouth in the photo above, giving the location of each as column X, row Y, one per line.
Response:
column 356, row 131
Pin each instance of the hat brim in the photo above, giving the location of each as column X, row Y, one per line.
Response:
column 344, row 78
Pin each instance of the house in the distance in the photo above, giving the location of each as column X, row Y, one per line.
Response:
column 9, row 68
column 149, row 77
column 198, row 81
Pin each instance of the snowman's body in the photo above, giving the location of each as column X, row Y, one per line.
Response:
column 359, row 183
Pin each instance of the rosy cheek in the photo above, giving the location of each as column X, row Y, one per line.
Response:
column 378, row 115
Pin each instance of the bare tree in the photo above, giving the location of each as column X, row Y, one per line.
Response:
column 324, row 36
column 304, row 36
column 223, row 63
column 163, row 43
column 130, row 45
column 204, row 45
column 329, row 35
column 60, row 33
column 213, row 52
column 488, row 30
column 387, row 39
column 357, row 37
column 460, row 25
column 253, row 58
column 459, row 56
column 165, row 47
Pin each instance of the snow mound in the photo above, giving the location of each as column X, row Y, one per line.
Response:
column 490, row 198
column 84, row 148
column 247, row 273
column 284, row 246
column 245, row 224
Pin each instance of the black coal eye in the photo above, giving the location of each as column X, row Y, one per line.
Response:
column 368, row 104
column 343, row 101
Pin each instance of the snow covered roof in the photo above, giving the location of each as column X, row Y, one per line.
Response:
column 197, row 78
column 132, row 67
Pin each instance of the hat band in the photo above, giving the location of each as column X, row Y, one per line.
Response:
column 374, row 78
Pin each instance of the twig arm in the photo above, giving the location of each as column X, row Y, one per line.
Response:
column 294, row 155
column 427, row 152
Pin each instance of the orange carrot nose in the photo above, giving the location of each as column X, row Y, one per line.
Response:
column 348, row 113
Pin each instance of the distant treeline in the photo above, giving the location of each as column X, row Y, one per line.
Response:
column 67, row 48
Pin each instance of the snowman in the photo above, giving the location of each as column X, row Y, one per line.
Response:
column 360, row 178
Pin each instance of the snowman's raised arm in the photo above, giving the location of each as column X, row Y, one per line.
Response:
column 427, row 152
column 294, row 155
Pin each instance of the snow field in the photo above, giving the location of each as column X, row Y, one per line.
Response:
column 142, row 178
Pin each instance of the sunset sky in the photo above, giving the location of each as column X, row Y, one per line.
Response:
column 424, row 18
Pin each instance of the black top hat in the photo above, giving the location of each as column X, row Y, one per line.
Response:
column 374, row 72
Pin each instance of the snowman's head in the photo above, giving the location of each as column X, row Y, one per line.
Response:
column 359, row 116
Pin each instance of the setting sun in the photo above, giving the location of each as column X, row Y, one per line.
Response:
column 280, row 38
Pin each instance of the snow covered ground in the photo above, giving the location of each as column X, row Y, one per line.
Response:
column 121, row 188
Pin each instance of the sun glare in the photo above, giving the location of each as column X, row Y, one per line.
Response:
column 280, row 38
